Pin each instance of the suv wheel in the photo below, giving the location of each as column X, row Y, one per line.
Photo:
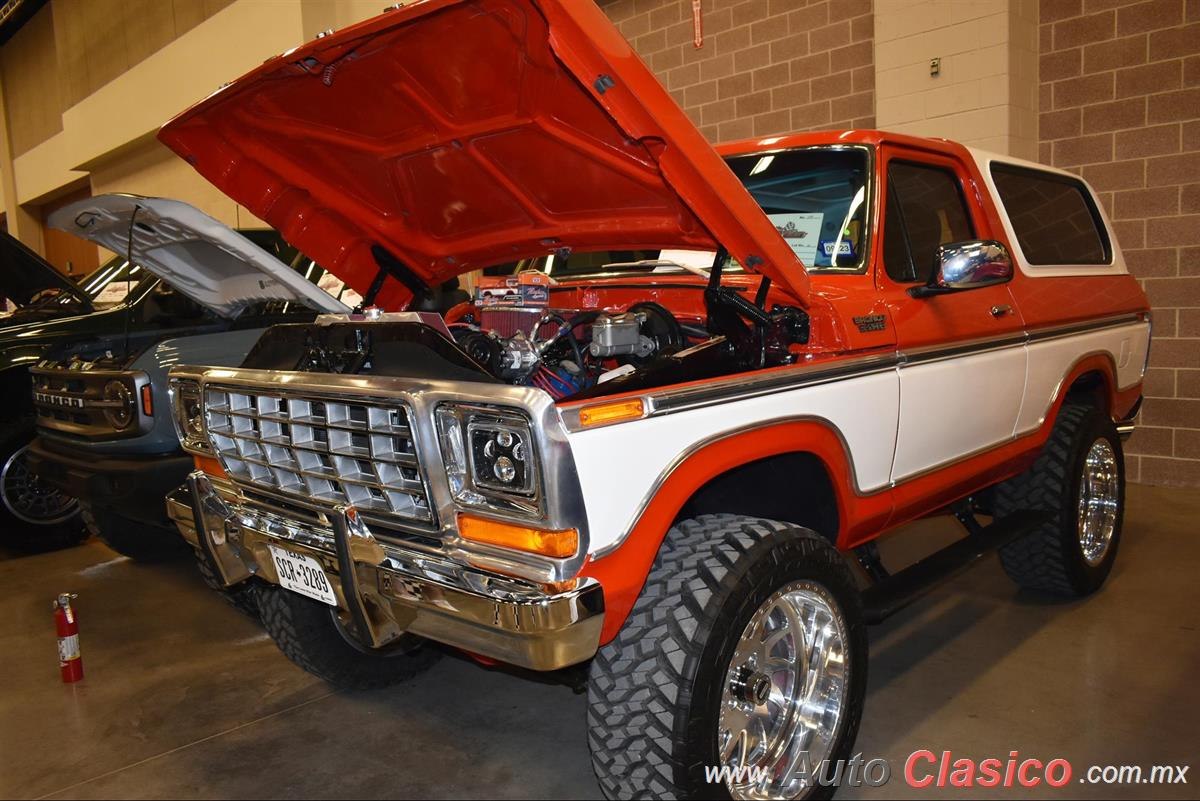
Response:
column 745, row 651
column 32, row 513
column 309, row 633
column 1080, row 478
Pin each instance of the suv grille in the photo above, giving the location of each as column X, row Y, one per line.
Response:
column 73, row 402
column 331, row 451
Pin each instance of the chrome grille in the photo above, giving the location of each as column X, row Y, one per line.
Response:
column 329, row 450
column 72, row 401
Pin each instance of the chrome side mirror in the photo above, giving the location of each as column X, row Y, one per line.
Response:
column 967, row 265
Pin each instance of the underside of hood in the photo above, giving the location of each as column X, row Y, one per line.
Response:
column 204, row 259
column 24, row 274
column 450, row 135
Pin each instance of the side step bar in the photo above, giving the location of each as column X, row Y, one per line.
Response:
column 888, row 596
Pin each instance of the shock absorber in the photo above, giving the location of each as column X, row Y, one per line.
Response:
column 69, row 661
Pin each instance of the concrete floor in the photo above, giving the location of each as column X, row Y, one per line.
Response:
column 184, row 697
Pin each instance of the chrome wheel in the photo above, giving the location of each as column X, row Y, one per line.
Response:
column 28, row 499
column 784, row 694
column 1099, row 499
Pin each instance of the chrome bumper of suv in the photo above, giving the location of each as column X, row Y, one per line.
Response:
column 1128, row 424
column 384, row 592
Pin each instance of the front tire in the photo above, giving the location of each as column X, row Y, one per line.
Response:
column 1080, row 479
column 308, row 633
column 745, row 648
column 240, row 596
column 32, row 513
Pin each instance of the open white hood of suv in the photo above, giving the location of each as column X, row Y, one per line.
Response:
column 204, row 259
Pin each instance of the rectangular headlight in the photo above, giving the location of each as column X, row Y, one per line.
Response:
column 490, row 458
column 188, row 413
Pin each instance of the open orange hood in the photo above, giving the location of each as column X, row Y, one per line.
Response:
column 449, row 135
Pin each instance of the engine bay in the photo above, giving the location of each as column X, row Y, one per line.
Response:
column 519, row 330
column 516, row 336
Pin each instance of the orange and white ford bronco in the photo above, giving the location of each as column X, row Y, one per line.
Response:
column 691, row 389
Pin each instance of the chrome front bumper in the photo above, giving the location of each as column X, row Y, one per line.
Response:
column 384, row 592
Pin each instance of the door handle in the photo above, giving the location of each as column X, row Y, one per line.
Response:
column 999, row 311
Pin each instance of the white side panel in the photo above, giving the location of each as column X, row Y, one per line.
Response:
column 955, row 407
column 1050, row 360
column 620, row 466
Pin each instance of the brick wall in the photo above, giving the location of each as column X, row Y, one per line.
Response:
column 766, row 66
column 1120, row 104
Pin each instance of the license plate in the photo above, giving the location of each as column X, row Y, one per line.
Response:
column 302, row 574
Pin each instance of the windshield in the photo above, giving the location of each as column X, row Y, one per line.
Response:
column 817, row 199
column 815, row 196
column 109, row 283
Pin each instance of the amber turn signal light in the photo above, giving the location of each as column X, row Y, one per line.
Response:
column 558, row 544
column 604, row 413
column 147, row 401
column 210, row 466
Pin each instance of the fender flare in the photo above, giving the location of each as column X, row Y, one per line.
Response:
column 622, row 572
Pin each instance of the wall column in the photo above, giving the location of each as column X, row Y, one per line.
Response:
column 986, row 91
column 21, row 223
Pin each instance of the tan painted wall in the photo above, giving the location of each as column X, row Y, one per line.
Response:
column 65, row 129
column 30, row 74
column 132, row 106
column 986, row 92
column 71, row 48
column 99, row 40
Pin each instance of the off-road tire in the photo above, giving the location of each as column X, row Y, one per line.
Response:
column 142, row 542
column 240, row 596
column 1050, row 558
column 305, row 631
column 15, row 434
column 653, row 692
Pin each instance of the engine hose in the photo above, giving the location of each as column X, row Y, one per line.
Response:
column 567, row 328
column 575, row 347
column 572, row 324
column 581, row 318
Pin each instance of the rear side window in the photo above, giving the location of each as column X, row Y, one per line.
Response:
column 1053, row 216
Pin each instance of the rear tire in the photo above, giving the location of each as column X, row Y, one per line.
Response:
column 32, row 515
column 1080, row 478
column 662, row 696
column 308, row 634
column 140, row 541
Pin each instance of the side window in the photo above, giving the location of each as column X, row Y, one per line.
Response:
column 1054, row 217
column 925, row 210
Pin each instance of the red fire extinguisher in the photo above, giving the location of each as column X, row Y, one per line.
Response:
column 69, row 660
